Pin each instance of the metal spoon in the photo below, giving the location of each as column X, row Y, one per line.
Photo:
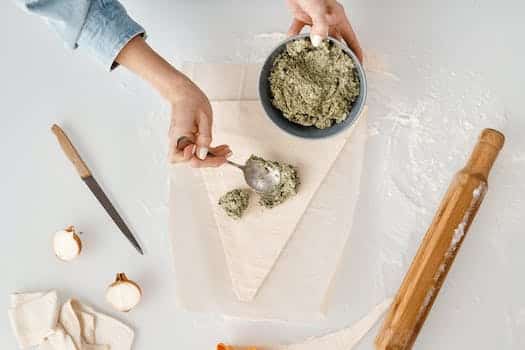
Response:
column 260, row 178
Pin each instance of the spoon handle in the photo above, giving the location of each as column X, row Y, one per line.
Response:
column 184, row 141
column 228, row 161
column 233, row 163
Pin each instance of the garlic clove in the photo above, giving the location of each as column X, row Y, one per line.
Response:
column 123, row 294
column 66, row 244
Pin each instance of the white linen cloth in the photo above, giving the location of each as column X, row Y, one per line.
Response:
column 38, row 320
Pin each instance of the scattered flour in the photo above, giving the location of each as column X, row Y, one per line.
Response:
column 440, row 272
column 423, row 123
column 519, row 157
column 375, row 63
column 426, row 302
column 459, row 233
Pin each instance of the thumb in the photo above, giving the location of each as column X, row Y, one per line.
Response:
column 320, row 25
column 204, row 135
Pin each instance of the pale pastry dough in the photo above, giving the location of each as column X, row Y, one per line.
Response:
column 344, row 339
column 205, row 285
column 253, row 245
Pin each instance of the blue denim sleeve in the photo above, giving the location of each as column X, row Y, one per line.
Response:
column 101, row 27
column 107, row 29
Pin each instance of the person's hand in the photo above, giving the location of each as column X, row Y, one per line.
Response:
column 191, row 114
column 327, row 17
column 191, row 117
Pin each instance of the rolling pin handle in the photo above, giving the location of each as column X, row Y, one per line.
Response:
column 485, row 153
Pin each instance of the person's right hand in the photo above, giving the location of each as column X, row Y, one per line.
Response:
column 191, row 117
column 327, row 17
column 191, row 114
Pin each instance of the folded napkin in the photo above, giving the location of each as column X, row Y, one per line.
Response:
column 38, row 320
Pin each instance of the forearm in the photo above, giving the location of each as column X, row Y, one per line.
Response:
column 142, row 60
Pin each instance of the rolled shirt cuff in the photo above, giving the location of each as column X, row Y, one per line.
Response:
column 66, row 17
column 107, row 29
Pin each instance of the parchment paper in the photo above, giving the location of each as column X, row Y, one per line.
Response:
column 310, row 259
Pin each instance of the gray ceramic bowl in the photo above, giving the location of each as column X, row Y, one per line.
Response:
column 310, row 132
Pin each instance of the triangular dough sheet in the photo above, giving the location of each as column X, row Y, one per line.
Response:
column 205, row 284
column 346, row 338
column 253, row 244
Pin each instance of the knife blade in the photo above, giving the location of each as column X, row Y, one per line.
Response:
column 85, row 174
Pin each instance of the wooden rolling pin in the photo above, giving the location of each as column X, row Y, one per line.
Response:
column 439, row 247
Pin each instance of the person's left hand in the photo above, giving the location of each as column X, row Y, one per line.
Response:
column 327, row 17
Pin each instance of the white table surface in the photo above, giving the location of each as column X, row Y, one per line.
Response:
column 439, row 72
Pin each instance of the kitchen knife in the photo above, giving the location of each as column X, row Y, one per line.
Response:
column 85, row 175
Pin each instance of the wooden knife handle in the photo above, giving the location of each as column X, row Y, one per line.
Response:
column 439, row 247
column 70, row 151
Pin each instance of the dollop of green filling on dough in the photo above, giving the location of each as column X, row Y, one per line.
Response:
column 235, row 202
column 314, row 86
column 287, row 186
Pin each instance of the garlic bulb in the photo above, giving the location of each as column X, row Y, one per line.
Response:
column 123, row 294
column 66, row 244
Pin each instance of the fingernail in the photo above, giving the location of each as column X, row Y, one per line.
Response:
column 193, row 149
column 316, row 40
column 229, row 154
column 202, row 152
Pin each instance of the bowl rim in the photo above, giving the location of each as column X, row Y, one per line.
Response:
column 310, row 132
